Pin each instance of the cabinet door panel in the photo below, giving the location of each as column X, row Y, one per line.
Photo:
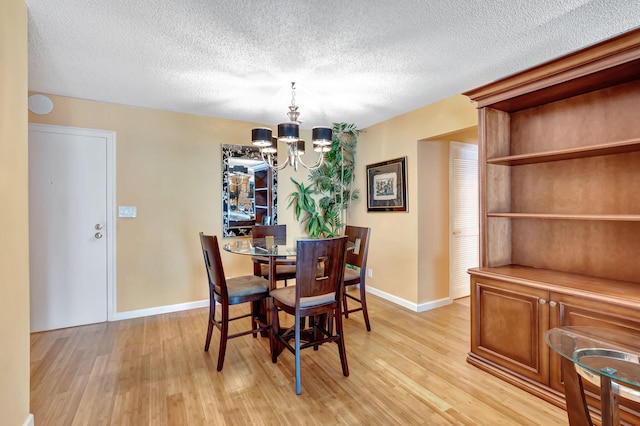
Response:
column 508, row 326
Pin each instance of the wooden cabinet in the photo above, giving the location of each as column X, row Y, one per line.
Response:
column 511, row 309
column 559, row 153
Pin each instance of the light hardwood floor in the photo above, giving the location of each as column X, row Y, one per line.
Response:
column 409, row 370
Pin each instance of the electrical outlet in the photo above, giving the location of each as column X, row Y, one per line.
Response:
column 370, row 273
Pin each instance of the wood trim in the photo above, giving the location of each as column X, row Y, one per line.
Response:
column 621, row 293
column 588, row 68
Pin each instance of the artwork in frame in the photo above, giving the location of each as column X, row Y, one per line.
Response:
column 387, row 186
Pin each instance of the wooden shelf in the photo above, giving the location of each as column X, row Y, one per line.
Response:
column 629, row 145
column 557, row 216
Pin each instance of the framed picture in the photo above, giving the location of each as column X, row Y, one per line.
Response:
column 387, row 186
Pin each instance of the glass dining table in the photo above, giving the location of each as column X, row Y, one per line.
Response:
column 609, row 359
column 269, row 249
column 274, row 250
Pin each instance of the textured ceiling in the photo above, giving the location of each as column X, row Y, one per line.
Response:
column 358, row 61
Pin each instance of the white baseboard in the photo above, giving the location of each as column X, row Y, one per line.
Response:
column 427, row 306
column 29, row 421
column 118, row 316
column 160, row 310
column 407, row 304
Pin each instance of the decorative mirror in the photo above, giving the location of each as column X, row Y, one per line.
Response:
column 249, row 190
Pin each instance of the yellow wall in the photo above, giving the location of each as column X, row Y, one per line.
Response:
column 407, row 250
column 169, row 165
column 14, row 215
column 433, row 182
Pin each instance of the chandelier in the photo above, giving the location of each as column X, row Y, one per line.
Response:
column 289, row 133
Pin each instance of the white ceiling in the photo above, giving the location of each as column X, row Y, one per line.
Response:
column 357, row 61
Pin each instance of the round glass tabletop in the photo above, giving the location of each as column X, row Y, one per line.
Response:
column 610, row 353
column 266, row 247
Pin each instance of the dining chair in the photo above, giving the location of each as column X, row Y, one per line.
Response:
column 285, row 269
column 319, row 273
column 356, row 270
column 227, row 292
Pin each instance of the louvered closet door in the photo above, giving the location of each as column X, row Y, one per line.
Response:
column 463, row 196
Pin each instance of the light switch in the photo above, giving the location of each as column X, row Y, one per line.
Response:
column 127, row 211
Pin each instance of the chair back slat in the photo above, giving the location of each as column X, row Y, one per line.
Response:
column 320, row 266
column 213, row 263
column 358, row 236
column 277, row 231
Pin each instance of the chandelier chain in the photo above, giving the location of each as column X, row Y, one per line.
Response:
column 293, row 93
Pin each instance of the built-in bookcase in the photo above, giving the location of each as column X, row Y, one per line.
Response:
column 559, row 209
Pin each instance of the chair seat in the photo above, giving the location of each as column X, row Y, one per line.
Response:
column 287, row 296
column 281, row 270
column 351, row 275
column 245, row 285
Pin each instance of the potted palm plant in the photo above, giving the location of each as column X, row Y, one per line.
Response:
column 332, row 184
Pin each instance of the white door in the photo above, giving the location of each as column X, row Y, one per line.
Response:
column 69, row 226
column 463, row 196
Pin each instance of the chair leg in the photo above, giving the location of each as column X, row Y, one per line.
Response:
column 273, row 335
column 363, row 303
column 297, row 342
column 341, row 346
column 224, row 332
column 255, row 312
column 344, row 303
column 315, row 323
column 212, row 318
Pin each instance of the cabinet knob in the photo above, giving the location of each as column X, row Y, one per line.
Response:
column 542, row 301
column 552, row 304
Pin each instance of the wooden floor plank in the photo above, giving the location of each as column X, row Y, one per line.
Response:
column 410, row 369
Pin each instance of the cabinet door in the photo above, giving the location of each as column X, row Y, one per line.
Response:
column 508, row 322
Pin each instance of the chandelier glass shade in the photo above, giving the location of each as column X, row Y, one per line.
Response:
column 289, row 133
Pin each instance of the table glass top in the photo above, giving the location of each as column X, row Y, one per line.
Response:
column 610, row 353
column 262, row 247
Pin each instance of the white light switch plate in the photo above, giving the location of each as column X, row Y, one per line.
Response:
column 127, row 211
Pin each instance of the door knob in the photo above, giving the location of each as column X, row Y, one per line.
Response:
column 98, row 235
column 98, row 226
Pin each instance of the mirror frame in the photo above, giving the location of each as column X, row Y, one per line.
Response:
column 250, row 152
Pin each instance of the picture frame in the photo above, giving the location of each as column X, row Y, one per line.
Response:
column 387, row 186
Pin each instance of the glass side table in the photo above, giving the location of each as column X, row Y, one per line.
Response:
column 610, row 359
